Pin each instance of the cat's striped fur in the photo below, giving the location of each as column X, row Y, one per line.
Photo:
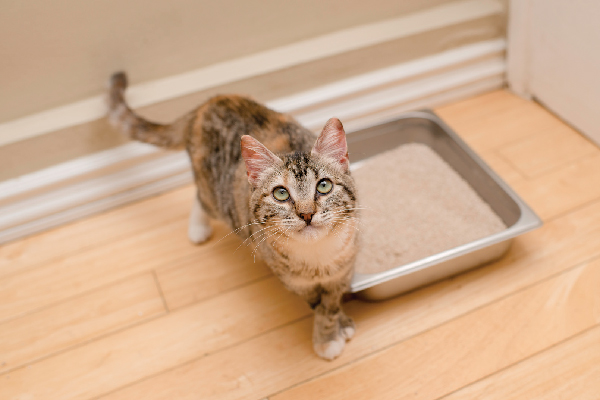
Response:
column 241, row 152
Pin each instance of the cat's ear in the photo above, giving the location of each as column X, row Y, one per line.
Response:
column 331, row 143
column 257, row 158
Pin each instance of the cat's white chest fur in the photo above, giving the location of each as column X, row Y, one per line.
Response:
column 323, row 257
column 318, row 254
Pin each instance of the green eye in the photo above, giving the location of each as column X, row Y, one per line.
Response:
column 324, row 186
column 281, row 194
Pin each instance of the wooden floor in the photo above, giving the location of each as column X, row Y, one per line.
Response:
column 121, row 306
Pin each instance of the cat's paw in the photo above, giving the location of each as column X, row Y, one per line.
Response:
column 347, row 327
column 347, row 332
column 199, row 232
column 330, row 350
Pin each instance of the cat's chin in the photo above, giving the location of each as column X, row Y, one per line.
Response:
column 311, row 233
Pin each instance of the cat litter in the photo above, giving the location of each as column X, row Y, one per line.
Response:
column 432, row 207
column 415, row 205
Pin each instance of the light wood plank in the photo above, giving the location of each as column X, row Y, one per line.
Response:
column 95, row 231
column 254, row 370
column 143, row 350
column 477, row 108
column 471, row 347
column 496, row 120
column 500, row 130
column 505, row 170
column 543, row 152
column 214, row 273
column 562, row 190
column 59, row 280
column 68, row 324
column 570, row 370
column 284, row 357
column 165, row 245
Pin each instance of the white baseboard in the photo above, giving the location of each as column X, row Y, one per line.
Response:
column 328, row 45
column 101, row 181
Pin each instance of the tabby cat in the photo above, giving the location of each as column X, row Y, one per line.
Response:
column 271, row 180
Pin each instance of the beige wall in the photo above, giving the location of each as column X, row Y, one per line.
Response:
column 555, row 58
column 60, row 51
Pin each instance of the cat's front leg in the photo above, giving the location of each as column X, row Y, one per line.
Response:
column 332, row 327
column 347, row 327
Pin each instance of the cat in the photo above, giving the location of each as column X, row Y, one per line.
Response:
column 272, row 180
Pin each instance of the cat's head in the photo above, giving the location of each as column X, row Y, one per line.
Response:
column 304, row 196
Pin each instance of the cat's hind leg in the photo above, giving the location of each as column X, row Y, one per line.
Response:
column 199, row 229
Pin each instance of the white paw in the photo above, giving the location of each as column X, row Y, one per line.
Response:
column 347, row 332
column 199, row 233
column 330, row 350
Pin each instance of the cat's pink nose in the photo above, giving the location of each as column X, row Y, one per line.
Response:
column 307, row 218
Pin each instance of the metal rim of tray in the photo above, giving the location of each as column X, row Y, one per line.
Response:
column 527, row 221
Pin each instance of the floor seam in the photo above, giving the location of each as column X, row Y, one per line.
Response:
column 84, row 343
column 207, row 354
column 76, row 296
column 160, row 291
column 559, row 343
column 483, row 305
column 114, row 332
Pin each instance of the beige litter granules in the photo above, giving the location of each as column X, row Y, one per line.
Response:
column 416, row 206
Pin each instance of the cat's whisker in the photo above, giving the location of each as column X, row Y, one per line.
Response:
column 287, row 223
column 349, row 224
column 282, row 233
column 356, row 208
column 346, row 209
column 266, row 235
column 265, row 238
column 240, row 228
column 336, row 220
column 256, row 233
column 341, row 215
column 346, row 219
column 341, row 212
column 252, row 243
column 259, row 234
column 251, row 237
column 369, row 209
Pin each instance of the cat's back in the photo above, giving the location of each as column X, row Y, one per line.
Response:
column 224, row 119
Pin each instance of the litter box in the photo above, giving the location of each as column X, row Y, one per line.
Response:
column 426, row 128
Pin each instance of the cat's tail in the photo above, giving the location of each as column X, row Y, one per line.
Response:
column 171, row 136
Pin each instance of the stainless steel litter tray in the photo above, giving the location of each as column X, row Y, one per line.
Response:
column 426, row 128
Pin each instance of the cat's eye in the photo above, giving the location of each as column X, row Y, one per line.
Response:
column 324, row 186
column 281, row 194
